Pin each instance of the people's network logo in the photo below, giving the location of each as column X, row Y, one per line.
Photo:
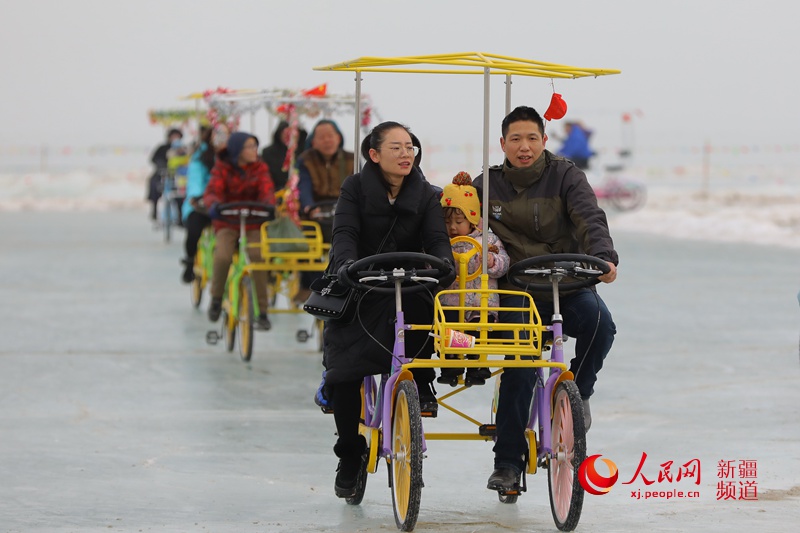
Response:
column 592, row 481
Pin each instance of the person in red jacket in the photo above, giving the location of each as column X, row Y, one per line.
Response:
column 238, row 175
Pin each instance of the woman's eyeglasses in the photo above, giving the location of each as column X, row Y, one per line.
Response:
column 399, row 151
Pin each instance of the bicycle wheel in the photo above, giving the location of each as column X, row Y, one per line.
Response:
column 228, row 330
column 292, row 288
column 319, row 325
column 196, row 291
column 246, row 316
column 167, row 219
column 406, row 465
column 273, row 287
column 569, row 451
column 196, row 286
column 628, row 197
column 361, row 480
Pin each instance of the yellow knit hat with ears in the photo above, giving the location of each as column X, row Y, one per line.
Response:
column 462, row 195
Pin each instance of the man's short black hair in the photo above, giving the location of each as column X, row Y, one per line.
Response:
column 522, row 113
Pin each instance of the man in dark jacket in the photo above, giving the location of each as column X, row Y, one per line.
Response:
column 539, row 204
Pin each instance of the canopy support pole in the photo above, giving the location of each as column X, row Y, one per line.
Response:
column 485, row 210
column 357, row 136
column 508, row 94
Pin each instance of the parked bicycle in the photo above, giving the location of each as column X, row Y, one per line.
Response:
column 621, row 193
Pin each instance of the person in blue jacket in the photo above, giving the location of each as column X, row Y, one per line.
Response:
column 576, row 145
column 194, row 213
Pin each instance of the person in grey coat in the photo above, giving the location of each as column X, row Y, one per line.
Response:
column 388, row 202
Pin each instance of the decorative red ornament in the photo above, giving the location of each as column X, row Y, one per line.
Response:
column 447, row 201
column 557, row 108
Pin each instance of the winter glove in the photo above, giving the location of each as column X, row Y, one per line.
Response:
column 341, row 274
column 449, row 276
column 213, row 211
column 323, row 397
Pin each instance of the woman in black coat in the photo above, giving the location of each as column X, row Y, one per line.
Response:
column 274, row 155
column 389, row 197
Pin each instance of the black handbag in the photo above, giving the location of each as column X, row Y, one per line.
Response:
column 333, row 301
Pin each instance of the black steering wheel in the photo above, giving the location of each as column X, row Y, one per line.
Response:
column 573, row 271
column 253, row 212
column 416, row 271
column 327, row 208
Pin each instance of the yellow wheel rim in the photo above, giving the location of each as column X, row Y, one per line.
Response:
column 244, row 319
column 401, row 449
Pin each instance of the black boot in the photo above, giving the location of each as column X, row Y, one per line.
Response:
column 350, row 457
column 504, row 480
column 428, row 406
column 188, row 269
column 263, row 323
column 449, row 376
column 476, row 376
column 215, row 309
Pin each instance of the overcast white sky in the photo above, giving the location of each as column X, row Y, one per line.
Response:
column 86, row 71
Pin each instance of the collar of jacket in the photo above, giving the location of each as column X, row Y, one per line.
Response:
column 316, row 155
column 236, row 169
column 522, row 178
column 408, row 199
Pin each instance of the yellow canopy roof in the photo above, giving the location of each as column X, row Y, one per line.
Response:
column 467, row 63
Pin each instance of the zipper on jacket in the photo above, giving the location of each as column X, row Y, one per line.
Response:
column 536, row 216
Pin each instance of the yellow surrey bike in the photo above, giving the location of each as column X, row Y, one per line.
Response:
column 285, row 258
column 203, row 265
column 391, row 417
column 240, row 302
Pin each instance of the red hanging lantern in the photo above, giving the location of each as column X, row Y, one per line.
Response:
column 557, row 108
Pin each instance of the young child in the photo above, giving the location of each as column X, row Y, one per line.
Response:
column 462, row 215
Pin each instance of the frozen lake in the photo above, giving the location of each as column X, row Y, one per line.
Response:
column 116, row 416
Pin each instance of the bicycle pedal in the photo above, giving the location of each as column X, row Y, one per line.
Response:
column 487, row 430
column 428, row 414
column 327, row 410
column 212, row 337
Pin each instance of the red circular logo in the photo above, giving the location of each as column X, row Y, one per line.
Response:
column 592, row 481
